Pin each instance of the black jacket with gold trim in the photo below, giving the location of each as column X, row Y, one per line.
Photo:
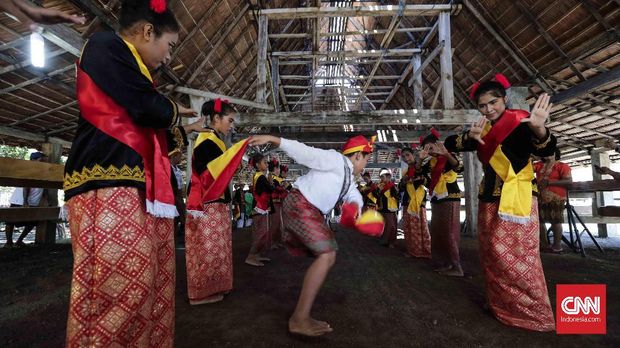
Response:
column 454, row 191
column 97, row 160
column 204, row 153
column 518, row 147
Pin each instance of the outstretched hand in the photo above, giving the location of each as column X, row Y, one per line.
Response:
column 540, row 112
column 197, row 126
column 31, row 15
column 186, row 112
column 475, row 132
column 257, row 140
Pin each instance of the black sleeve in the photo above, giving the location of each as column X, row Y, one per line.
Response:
column 204, row 153
column 545, row 147
column 262, row 185
column 394, row 192
column 113, row 68
column 457, row 143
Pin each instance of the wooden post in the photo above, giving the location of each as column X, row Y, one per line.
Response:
column 445, row 60
column 418, row 95
column 517, row 98
column 261, row 64
column 472, row 176
column 275, row 82
column 601, row 199
column 46, row 230
column 196, row 104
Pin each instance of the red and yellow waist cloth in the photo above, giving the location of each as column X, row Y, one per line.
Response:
column 516, row 193
column 212, row 182
column 262, row 199
column 105, row 114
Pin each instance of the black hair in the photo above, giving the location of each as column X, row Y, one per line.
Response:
column 558, row 154
column 493, row 87
column 257, row 157
column 272, row 165
column 431, row 138
column 366, row 174
column 406, row 149
column 208, row 109
column 134, row 11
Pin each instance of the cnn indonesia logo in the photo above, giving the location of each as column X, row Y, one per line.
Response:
column 581, row 309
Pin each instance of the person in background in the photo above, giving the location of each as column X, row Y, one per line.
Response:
column 25, row 197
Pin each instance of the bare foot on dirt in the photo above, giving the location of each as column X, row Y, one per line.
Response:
column 443, row 269
column 212, row 299
column 454, row 272
column 252, row 261
column 309, row 327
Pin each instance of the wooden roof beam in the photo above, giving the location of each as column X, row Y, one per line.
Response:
column 358, row 11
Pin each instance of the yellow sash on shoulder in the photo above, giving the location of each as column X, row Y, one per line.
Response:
column 515, row 202
column 441, row 188
column 392, row 203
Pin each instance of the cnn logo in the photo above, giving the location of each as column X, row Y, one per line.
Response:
column 581, row 309
column 575, row 305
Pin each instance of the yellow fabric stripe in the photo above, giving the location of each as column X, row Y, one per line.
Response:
column 391, row 201
column 255, row 179
column 354, row 149
column 370, row 216
column 143, row 69
column 416, row 197
column 515, row 201
column 441, row 188
column 210, row 136
column 218, row 165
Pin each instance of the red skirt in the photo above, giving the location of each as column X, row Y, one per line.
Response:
column 446, row 231
column 122, row 291
column 515, row 282
column 261, row 239
column 275, row 223
column 417, row 236
column 208, row 252
column 304, row 229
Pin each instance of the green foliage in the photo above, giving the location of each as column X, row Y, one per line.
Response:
column 13, row 152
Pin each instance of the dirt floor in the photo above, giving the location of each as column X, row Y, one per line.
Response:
column 374, row 297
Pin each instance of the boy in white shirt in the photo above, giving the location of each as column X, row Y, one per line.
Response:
column 314, row 195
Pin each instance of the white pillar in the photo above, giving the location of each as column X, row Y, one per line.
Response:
column 601, row 199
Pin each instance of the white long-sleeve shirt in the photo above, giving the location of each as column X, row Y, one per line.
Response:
column 322, row 185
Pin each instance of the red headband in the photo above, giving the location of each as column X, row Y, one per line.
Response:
column 500, row 78
column 218, row 105
column 435, row 133
column 158, row 6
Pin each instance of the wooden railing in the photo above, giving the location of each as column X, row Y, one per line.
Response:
column 21, row 173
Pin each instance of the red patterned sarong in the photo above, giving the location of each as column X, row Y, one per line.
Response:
column 304, row 229
column 208, row 252
column 261, row 239
column 446, row 231
column 391, row 228
column 515, row 282
column 417, row 236
column 122, row 291
column 275, row 223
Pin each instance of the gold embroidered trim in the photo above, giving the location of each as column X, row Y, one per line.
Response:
column 175, row 112
column 99, row 173
column 178, row 138
column 544, row 143
column 459, row 142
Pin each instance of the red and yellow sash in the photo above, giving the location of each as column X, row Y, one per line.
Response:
column 212, row 183
column 262, row 200
column 105, row 114
column 416, row 195
column 516, row 198
column 440, row 180
column 392, row 203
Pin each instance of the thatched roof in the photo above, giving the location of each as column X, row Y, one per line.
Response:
column 545, row 45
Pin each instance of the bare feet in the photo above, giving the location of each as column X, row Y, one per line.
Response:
column 443, row 269
column 308, row 327
column 253, row 261
column 453, row 272
column 212, row 299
